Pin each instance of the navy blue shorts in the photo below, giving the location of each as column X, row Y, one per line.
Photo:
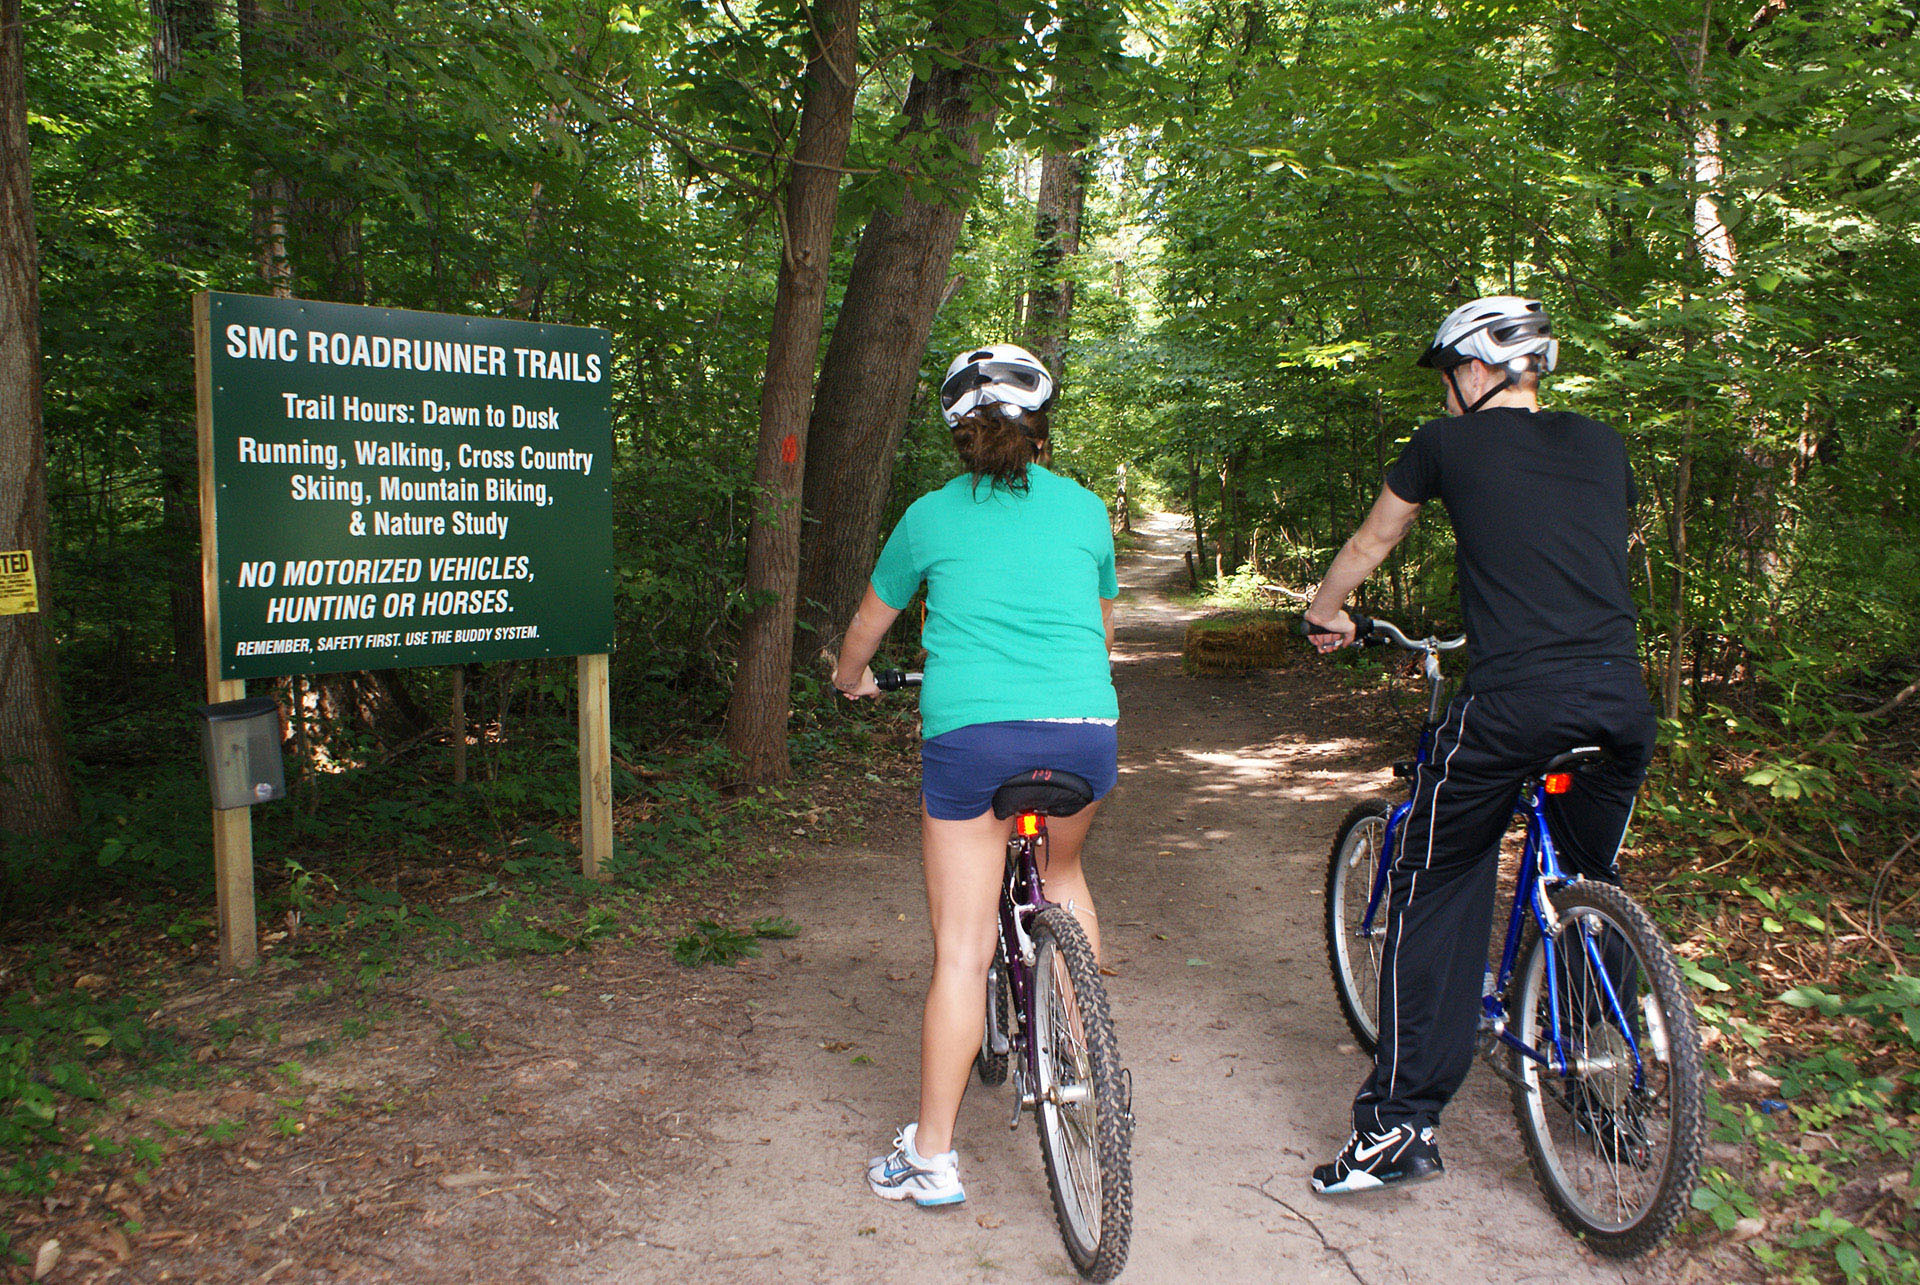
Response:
column 960, row 770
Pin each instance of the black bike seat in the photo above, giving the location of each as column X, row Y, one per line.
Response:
column 1576, row 758
column 1044, row 790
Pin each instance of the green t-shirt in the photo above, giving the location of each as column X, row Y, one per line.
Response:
column 1014, row 583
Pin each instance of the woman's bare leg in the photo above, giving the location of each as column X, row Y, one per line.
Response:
column 1065, row 879
column 963, row 862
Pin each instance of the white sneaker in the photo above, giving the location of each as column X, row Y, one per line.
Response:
column 908, row 1175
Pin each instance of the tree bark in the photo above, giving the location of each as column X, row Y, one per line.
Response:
column 183, row 32
column 271, row 193
column 1671, row 680
column 36, row 794
column 1193, row 506
column 896, row 287
column 1056, row 239
column 762, row 687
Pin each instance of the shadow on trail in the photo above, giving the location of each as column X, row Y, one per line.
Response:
column 1207, row 864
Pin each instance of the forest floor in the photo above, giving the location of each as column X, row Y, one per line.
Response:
column 609, row 1116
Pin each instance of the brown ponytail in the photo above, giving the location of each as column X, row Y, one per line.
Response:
column 996, row 449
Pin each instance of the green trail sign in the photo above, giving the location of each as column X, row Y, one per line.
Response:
column 393, row 488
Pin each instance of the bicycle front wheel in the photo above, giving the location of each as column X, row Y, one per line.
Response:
column 1615, row 1134
column 1354, row 958
column 1086, row 1125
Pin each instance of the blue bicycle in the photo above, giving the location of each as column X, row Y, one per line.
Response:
column 1584, row 1011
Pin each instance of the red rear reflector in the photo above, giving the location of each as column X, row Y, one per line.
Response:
column 1559, row 782
column 1029, row 825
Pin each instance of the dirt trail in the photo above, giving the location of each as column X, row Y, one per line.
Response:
column 1207, row 865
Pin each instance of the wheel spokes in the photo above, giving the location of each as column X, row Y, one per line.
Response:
column 1597, row 1120
column 1073, row 1110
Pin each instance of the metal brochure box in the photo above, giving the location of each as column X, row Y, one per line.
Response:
column 241, row 743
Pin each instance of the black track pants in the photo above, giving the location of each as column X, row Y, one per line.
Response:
column 1441, row 888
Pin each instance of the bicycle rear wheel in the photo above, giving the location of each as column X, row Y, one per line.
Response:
column 1354, row 959
column 1617, row 1159
column 1086, row 1127
column 992, row 1065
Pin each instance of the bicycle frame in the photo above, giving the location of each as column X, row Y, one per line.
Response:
column 1540, row 873
column 1022, row 897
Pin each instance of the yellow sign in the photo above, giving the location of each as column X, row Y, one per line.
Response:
column 18, row 594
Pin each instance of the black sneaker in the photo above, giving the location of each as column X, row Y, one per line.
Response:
column 1370, row 1161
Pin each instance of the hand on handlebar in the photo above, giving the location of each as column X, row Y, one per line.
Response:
column 1329, row 635
column 861, row 687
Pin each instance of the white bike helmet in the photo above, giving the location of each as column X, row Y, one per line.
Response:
column 1504, row 331
column 1004, row 373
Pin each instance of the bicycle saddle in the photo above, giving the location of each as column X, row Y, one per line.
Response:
column 1043, row 790
column 1576, row 758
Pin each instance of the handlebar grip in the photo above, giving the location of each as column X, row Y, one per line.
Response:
column 1362, row 630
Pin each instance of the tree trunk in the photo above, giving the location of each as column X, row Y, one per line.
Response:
column 36, row 794
column 896, row 287
column 261, row 48
column 1712, row 244
column 762, row 687
column 1677, row 539
column 1056, row 239
column 1193, row 507
column 184, row 31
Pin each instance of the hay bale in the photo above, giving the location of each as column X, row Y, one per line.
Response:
column 1235, row 646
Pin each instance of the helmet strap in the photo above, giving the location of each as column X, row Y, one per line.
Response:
column 1491, row 393
column 1510, row 378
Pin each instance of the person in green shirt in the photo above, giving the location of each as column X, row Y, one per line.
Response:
column 1018, row 565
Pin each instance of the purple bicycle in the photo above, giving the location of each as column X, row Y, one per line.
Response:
column 1048, row 1023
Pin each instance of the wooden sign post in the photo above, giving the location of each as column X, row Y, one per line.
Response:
column 596, row 767
column 232, row 827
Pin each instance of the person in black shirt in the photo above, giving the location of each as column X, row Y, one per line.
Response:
column 1541, row 504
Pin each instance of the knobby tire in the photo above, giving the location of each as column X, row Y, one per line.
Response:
column 1353, row 960
column 993, row 1066
column 1587, row 1110
column 1066, row 982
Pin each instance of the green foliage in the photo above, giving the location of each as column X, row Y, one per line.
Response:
column 63, row 1049
column 712, row 942
column 709, row 941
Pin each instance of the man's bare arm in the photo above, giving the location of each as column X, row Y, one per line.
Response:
column 1386, row 525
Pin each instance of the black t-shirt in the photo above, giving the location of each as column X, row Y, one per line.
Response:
column 1541, row 504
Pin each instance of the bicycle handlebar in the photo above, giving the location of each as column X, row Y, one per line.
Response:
column 1363, row 635
column 1371, row 631
column 892, row 680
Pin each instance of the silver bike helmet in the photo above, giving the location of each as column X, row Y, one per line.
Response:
column 1006, row 374
column 1497, row 330
column 1509, row 333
